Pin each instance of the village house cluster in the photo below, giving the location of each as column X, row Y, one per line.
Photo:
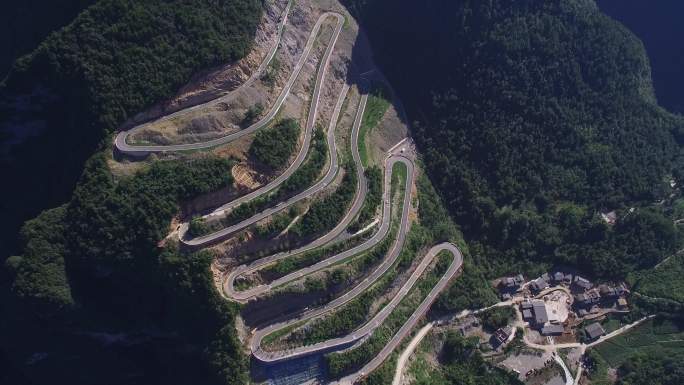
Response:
column 554, row 303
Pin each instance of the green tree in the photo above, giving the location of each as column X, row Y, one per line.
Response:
column 198, row 227
column 273, row 146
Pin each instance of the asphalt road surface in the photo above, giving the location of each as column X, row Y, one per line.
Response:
column 301, row 156
column 380, row 270
column 130, row 149
column 125, row 148
column 420, row 311
column 229, row 288
column 369, row 327
column 362, row 189
column 395, row 156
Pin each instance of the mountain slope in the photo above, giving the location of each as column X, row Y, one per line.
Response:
column 115, row 59
column 533, row 116
column 658, row 26
column 24, row 24
column 91, row 298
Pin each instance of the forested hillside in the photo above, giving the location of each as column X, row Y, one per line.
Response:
column 24, row 24
column 89, row 296
column 115, row 59
column 533, row 117
column 95, row 265
column 660, row 28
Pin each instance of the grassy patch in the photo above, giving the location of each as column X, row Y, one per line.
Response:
column 659, row 336
column 273, row 146
column 340, row 364
column 496, row 318
column 377, row 105
column 278, row 224
column 611, row 324
column 272, row 71
column 276, row 335
column 399, row 173
column 305, row 176
column 664, row 281
column 564, row 356
column 424, row 373
column 373, row 199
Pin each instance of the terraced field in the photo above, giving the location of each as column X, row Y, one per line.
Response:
column 652, row 337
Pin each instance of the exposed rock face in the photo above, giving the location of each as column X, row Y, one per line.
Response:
column 210, row 84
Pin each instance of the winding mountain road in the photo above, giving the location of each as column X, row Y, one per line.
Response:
column 242, row 296
column 125, row 148
column 420, row 311
column 229, row 288
column 395, row 156
column 373, row 323
column 301, row 156
column 132, row 149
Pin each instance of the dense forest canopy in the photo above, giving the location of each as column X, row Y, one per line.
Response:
column 527, row 109
column 105, row 244
column 659, row 27
column 114, row 60
column 532, row 116
column 645, row 370
column 273, row 146
column 24, row 24
column 463, row 364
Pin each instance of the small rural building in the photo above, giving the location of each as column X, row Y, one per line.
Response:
column 527, row 314
column 608, row 291
column 552, row 330
column 613, row 292
column 594, row 331
column 561, row 278
column 535, row 312
column 502, row 335
column 609, row 217
column 622, row 303
column 539, row 284
column 512, row 283
column 540, row 315
column 588, row 299
column 581, row 284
